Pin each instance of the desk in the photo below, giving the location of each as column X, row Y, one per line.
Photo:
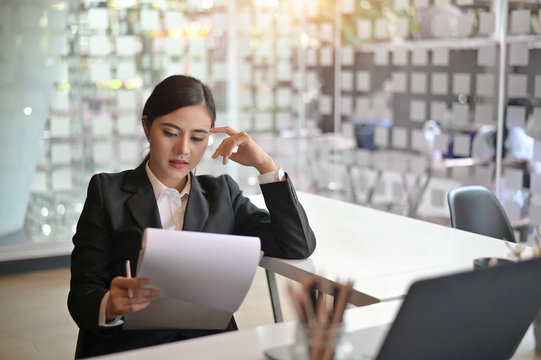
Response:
column 382, row 253
column 249, row 344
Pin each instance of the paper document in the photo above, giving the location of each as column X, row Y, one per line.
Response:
column 204, row 277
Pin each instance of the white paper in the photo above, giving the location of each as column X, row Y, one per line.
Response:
column 420, row 57
column 311, row 57
column 101, row 126
column 213, row 270
column 348, row 55
column 265, row 99
column 125, row 70
column 60, row 126
column 517, row 85
column 399, row 82
column 129, row 151
column 283, row 48
column 325, row 105
column 487, row 23
column 538, row 86
column 101, row 152
column 513, row 179
column 535, row 183
column 461, row 145
column 418, row 141
column 535, row 214
column 60, row 100
column 486, row 55
column 418, row 110
column 440, row 57
column 402, row 27
column 100, row 72
column 381, row 136
column 485, row 85
column 326, row 32
column 460, row 113
column 483, row 114
column 346, row 105
column 99, row 45
column 537, row 118
column 283, row 97
column 400, row 56
column 127, row 124
column 418, row 83
column 326, row 56
column 125, row 45
column 461, row 83
column 263, row 121
column 174, row 47
column 516, row 116
column 98, row 18
column 126, row 99
column 362, row 82
column 400, row 138
column 283, row 120
column 60, row 153
column 149, row 20
column 364, row 29
column 381, row 30
column 520, row 21
column 284, row 70
column 439, row 83
column 174, row 19
column 442, row 142
column 518, row 55
column 347, row 80
column 537, row 151
column 61, row 180
column 348, row 6
column 198, row 47
column 438, row 110
column 401, row 4
column 464, row 25
column 381, row 57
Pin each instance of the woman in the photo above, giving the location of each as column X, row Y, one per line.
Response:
column 162, row 191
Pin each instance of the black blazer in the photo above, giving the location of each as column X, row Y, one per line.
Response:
column 119, row 207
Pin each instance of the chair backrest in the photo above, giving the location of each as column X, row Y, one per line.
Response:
column 476, row 209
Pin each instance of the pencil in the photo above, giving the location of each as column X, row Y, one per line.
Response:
column 128, row 275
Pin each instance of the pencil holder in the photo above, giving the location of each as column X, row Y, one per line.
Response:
column 316, row 342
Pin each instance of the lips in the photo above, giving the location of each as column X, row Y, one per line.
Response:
column 178, row 164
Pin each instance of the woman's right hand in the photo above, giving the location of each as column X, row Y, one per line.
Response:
column 128, row 295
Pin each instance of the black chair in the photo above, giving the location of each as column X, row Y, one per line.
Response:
column 476, row 209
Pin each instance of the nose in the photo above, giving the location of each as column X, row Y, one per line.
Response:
column 181, row 145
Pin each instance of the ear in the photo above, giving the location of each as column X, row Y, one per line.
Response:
column 146, row 128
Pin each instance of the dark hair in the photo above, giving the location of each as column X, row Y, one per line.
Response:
column 175, row 92
column 522, row 101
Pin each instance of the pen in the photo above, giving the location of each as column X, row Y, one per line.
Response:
column 128, row 275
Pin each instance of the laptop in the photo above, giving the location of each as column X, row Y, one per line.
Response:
column 480, row 314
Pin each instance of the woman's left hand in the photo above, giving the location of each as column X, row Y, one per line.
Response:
column 248, row 152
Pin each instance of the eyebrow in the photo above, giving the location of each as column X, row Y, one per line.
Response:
column 178, row 128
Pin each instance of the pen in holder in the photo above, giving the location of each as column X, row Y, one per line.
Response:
column 320, row 329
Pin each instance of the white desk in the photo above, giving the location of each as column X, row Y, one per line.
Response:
column 249, row 344
column 381, row 252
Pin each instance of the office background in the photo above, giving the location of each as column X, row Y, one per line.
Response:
column 357, row 100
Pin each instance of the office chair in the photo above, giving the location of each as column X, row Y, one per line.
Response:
column 476, row 209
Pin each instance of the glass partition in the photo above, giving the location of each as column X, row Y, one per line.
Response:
column 387, row 103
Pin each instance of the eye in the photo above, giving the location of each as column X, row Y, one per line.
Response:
column 168, row 133
column 197, row 138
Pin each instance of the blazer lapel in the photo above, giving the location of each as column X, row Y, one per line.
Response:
column 197, row 209
column 142, row 204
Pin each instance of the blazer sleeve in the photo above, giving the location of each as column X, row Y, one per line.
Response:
column 90, row 262
column 284, row 230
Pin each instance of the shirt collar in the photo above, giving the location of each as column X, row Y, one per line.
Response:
column 159, row 187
